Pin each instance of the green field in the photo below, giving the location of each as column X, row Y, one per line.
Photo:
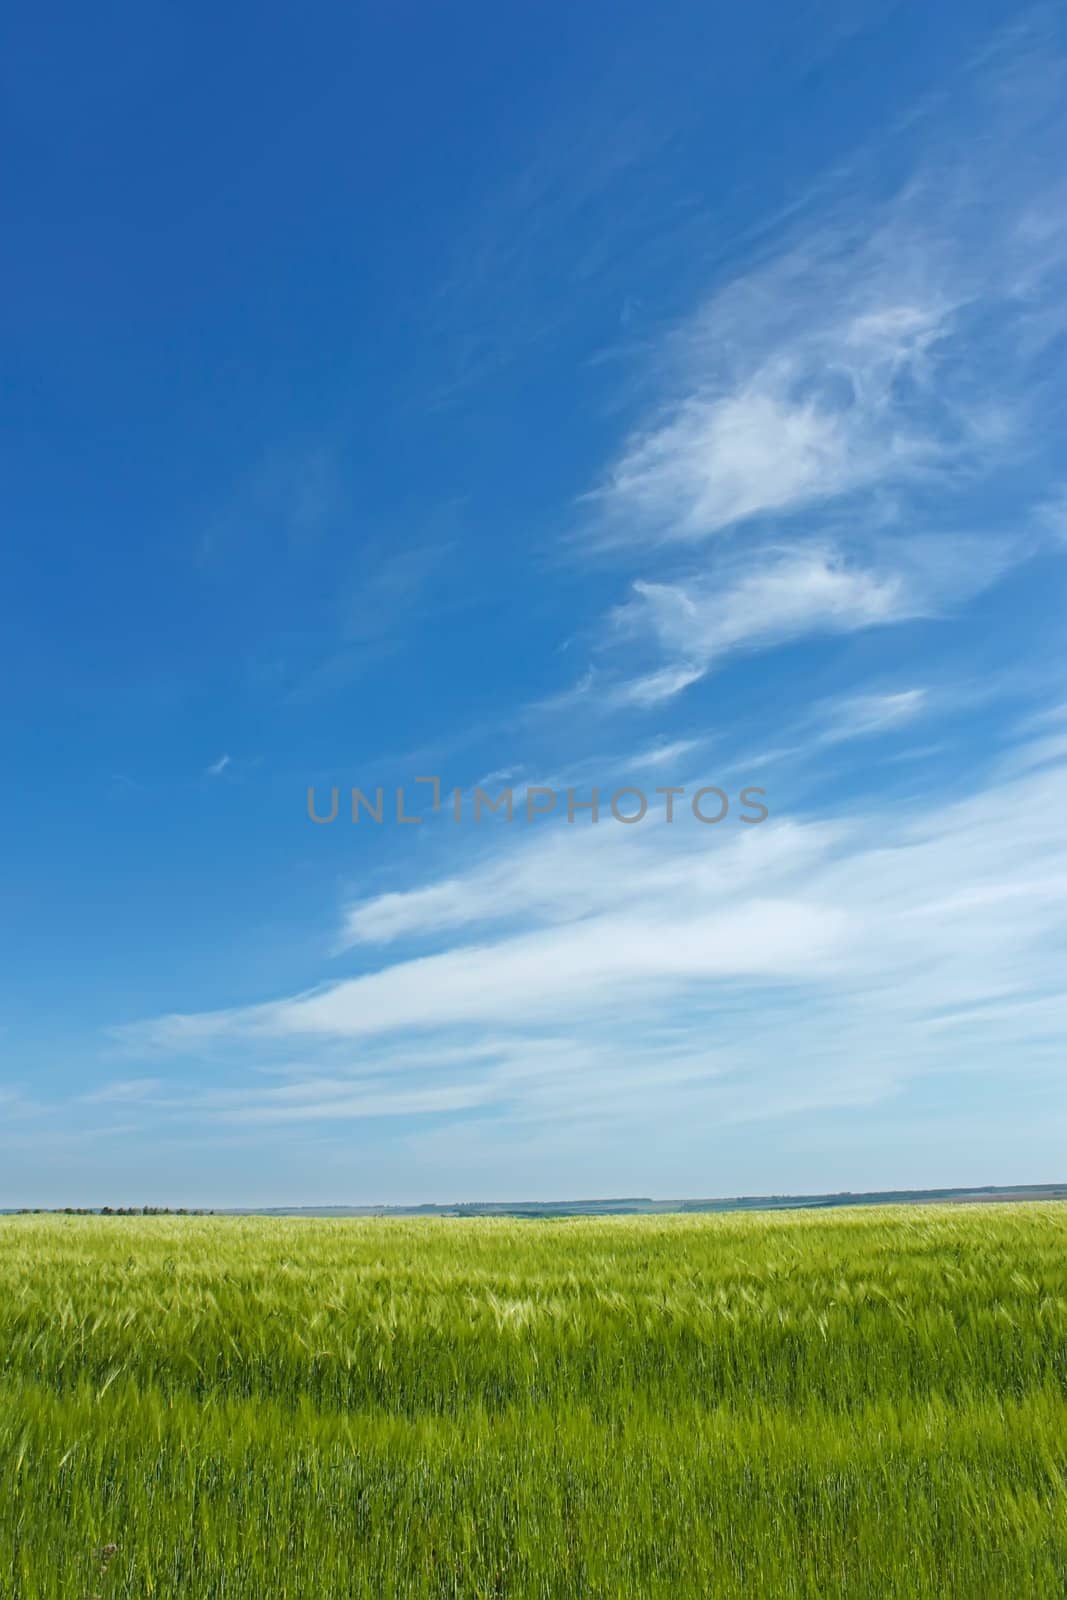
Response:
column 863, row 1403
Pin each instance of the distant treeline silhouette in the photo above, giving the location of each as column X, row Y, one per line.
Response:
column 112, row 1211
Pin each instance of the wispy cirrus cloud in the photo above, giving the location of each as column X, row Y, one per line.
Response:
column 806, row 963
column 862, row 716
column 827, row 401
column 665, row 755
column 1052, row 516
column 779, row 424
column 857, row 358
column 758, row 599
column 653, row 688
column 124, row 1091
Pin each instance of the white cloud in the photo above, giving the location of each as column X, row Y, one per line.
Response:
column 576, row 968
column 663, row 755
column 337, row 1100
column 578, row 871
column 665, row 983
column 1052, row 516
column 798, row 590
column 653, row 688
column 720, row 461
column 797, row 384
column 847, row 389
column 883, row 347
column 861, row 716
column 773, row 595
column 885, row 923
column 124, row 1091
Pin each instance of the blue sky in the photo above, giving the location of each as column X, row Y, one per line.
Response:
column 574, row 396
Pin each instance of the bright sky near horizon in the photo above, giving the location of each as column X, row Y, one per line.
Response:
column 561, row 395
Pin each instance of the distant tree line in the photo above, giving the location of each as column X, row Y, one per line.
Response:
column 112, row 1211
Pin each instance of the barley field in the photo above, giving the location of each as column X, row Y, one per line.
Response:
column 856, row 1403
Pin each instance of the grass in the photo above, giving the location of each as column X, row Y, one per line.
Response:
column 865, row 1404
